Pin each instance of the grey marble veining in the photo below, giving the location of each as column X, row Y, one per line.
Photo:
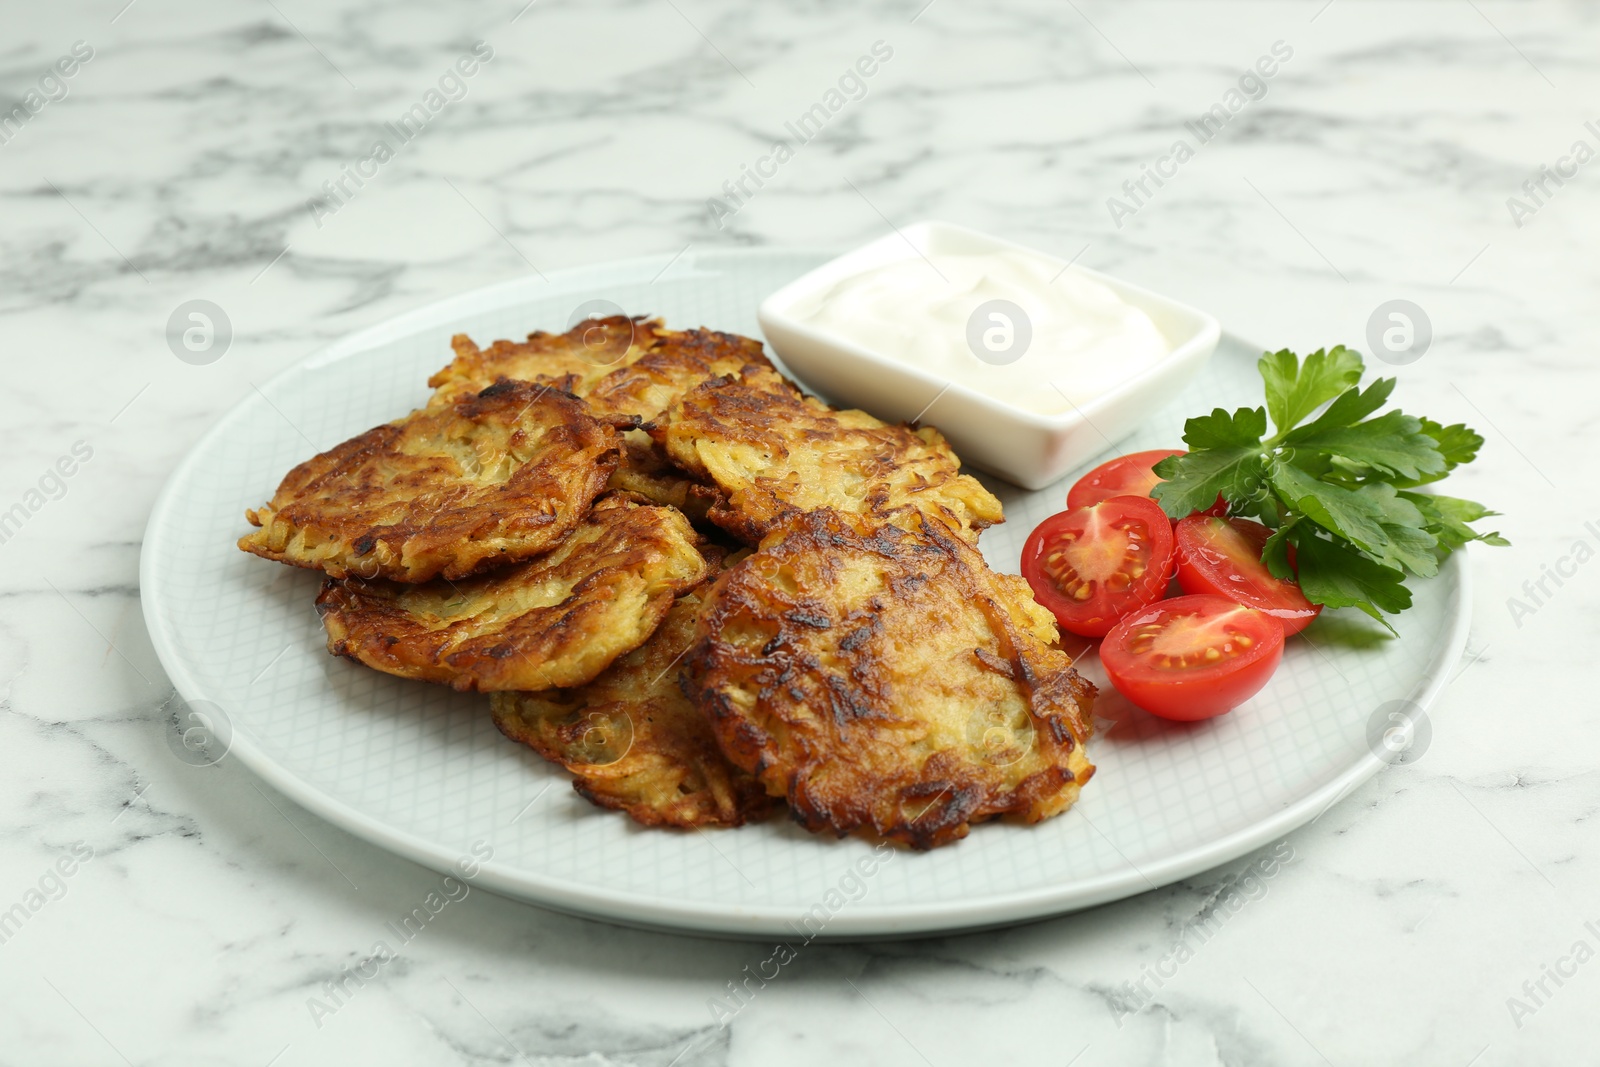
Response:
column 213, row 915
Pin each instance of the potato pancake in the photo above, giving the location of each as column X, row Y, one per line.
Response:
column 677, row 362
column 633, row 739
column 620, row 365
column 558, row 620
column 573, row 361
column 774, row 452
column 886, row 680
column 491, row 478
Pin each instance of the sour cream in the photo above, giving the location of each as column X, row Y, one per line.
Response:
column 1008, row 324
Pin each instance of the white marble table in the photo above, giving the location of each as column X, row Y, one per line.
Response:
column 177, row 164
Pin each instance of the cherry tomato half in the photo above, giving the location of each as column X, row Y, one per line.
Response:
column 1223, row 557
column 1192, row 657
column 1092, row 565
column 1128, row 475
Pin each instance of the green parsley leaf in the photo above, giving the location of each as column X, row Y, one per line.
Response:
column 1340, row 511
column 1338, row 575
column 1446, row 517
column 1458, row 444
column 1295, row 390
column 1275, row 553
column 1416, row 550
column 1411, row 545
column 1371, row 517
column 1246, row 426
column 1226, row 460
column 1350, row 407
column 1194, row 481
column 1391, row 444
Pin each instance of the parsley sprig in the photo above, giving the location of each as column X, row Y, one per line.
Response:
column 1335, row 479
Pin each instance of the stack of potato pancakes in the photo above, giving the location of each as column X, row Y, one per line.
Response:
column 697, row 589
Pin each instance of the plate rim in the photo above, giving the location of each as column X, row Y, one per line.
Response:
column 857, row 922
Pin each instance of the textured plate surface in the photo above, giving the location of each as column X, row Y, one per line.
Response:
column 422, row 771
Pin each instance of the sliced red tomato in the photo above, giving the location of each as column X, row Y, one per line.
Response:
column 1192, row 657
column 1092, row 565
column 1223, row 557
column 1129, row 475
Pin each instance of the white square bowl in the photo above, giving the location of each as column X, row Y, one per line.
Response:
column 1026, row 447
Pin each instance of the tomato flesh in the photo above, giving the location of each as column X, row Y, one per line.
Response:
column 1192, row 657
column 1092, row 565
column 1130, row 475
column 1223, row 557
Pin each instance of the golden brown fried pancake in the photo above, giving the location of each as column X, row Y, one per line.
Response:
column 573, row 361
column 490, row 478
column 887, row 680
column 774, row 452
column 557, row 620
column 677, row 362
column 635, row 742
column 621, row 366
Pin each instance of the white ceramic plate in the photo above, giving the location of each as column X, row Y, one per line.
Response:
column 420, row 770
